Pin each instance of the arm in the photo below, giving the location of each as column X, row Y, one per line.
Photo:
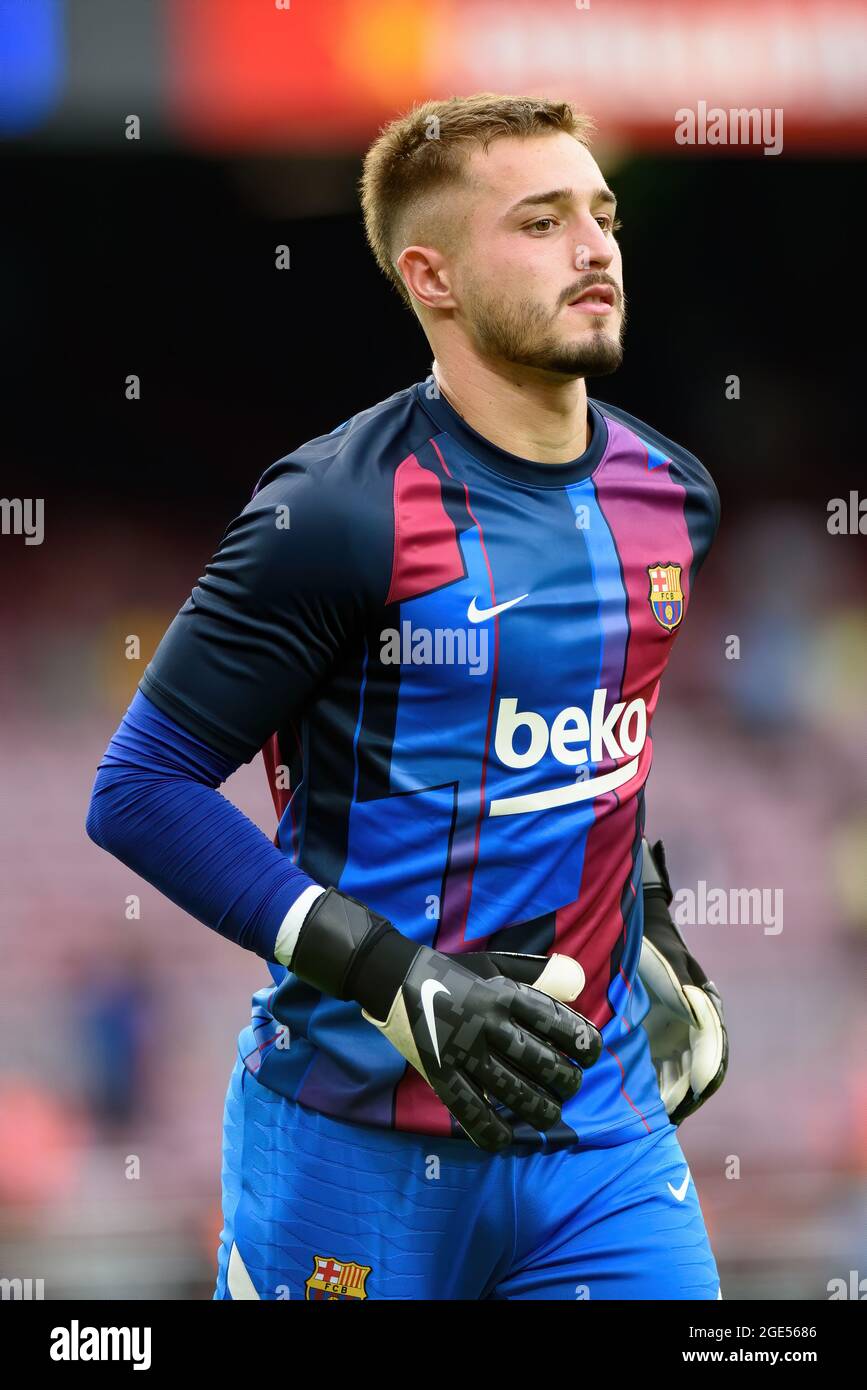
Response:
column 155, row 806
column 259, row 631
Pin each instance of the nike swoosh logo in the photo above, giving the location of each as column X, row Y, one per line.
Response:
column 429, row 989
column 678, row 1193
column 481, row 615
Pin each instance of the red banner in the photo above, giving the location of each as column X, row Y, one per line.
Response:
column 324, row 74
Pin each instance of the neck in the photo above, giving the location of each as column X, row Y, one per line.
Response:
column 515, row 408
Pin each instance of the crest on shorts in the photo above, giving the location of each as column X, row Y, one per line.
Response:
column 666, row 595
column 334, row 1280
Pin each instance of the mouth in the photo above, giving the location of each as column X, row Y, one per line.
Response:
column 599, row 299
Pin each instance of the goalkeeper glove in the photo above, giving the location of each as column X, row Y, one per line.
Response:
column 685, row 1026
column 560, row 977
column 477, row 1037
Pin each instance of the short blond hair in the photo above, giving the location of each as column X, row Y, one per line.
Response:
column 415, row 157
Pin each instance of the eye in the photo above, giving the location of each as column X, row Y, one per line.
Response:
column 609, row 224
column 539, row 221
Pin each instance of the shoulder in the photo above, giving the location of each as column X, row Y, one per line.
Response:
column 321, row 517
column 686, row 468
column 701, row 502
column 354, row 464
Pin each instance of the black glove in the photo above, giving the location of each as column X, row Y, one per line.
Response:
column 686, row 1026
column 560, row 977
column 477, row 1039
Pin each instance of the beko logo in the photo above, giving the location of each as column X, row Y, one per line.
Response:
column 574, row 740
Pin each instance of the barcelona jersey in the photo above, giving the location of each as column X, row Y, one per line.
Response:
column 450, row 658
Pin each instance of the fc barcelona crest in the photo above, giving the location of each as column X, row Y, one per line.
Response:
column 666, row 595
column 334, row 1280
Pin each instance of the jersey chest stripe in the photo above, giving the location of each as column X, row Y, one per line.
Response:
column 427, row 553
column 451, row 934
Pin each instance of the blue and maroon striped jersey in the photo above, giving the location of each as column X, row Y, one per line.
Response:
column 451, row 657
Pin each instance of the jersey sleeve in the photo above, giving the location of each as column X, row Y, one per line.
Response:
column 290, row 586
column 156, row 808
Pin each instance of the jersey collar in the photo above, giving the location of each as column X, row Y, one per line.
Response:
column 512, row 466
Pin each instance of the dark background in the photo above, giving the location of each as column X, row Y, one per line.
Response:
column 164, row 267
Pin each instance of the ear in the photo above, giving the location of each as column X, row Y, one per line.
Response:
column 426, row 276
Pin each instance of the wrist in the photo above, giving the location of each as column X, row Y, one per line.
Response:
column 290, row 928
column 346, row 950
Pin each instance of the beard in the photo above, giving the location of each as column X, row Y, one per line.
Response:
column 522, row 333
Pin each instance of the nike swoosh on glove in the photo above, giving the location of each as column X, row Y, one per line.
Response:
column 686, row 1025
column 476, row 1041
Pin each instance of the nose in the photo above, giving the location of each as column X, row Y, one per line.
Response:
column 593, row 250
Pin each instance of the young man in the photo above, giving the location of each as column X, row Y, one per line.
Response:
column 445, row 623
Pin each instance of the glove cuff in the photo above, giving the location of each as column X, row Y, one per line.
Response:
column 654, row 870
column 346, row 950
column 660, row 930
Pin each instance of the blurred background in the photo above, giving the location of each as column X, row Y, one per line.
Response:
column 154, row 256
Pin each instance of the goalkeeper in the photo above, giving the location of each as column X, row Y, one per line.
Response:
column 444, row 626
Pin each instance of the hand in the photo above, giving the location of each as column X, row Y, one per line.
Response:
column 685, row 1025
column 478, row 1037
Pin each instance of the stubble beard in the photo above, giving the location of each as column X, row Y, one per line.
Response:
column 521, row 333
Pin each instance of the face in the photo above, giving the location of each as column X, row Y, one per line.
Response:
column 537, row 278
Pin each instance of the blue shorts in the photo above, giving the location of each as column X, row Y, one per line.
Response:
column 315, row 1208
